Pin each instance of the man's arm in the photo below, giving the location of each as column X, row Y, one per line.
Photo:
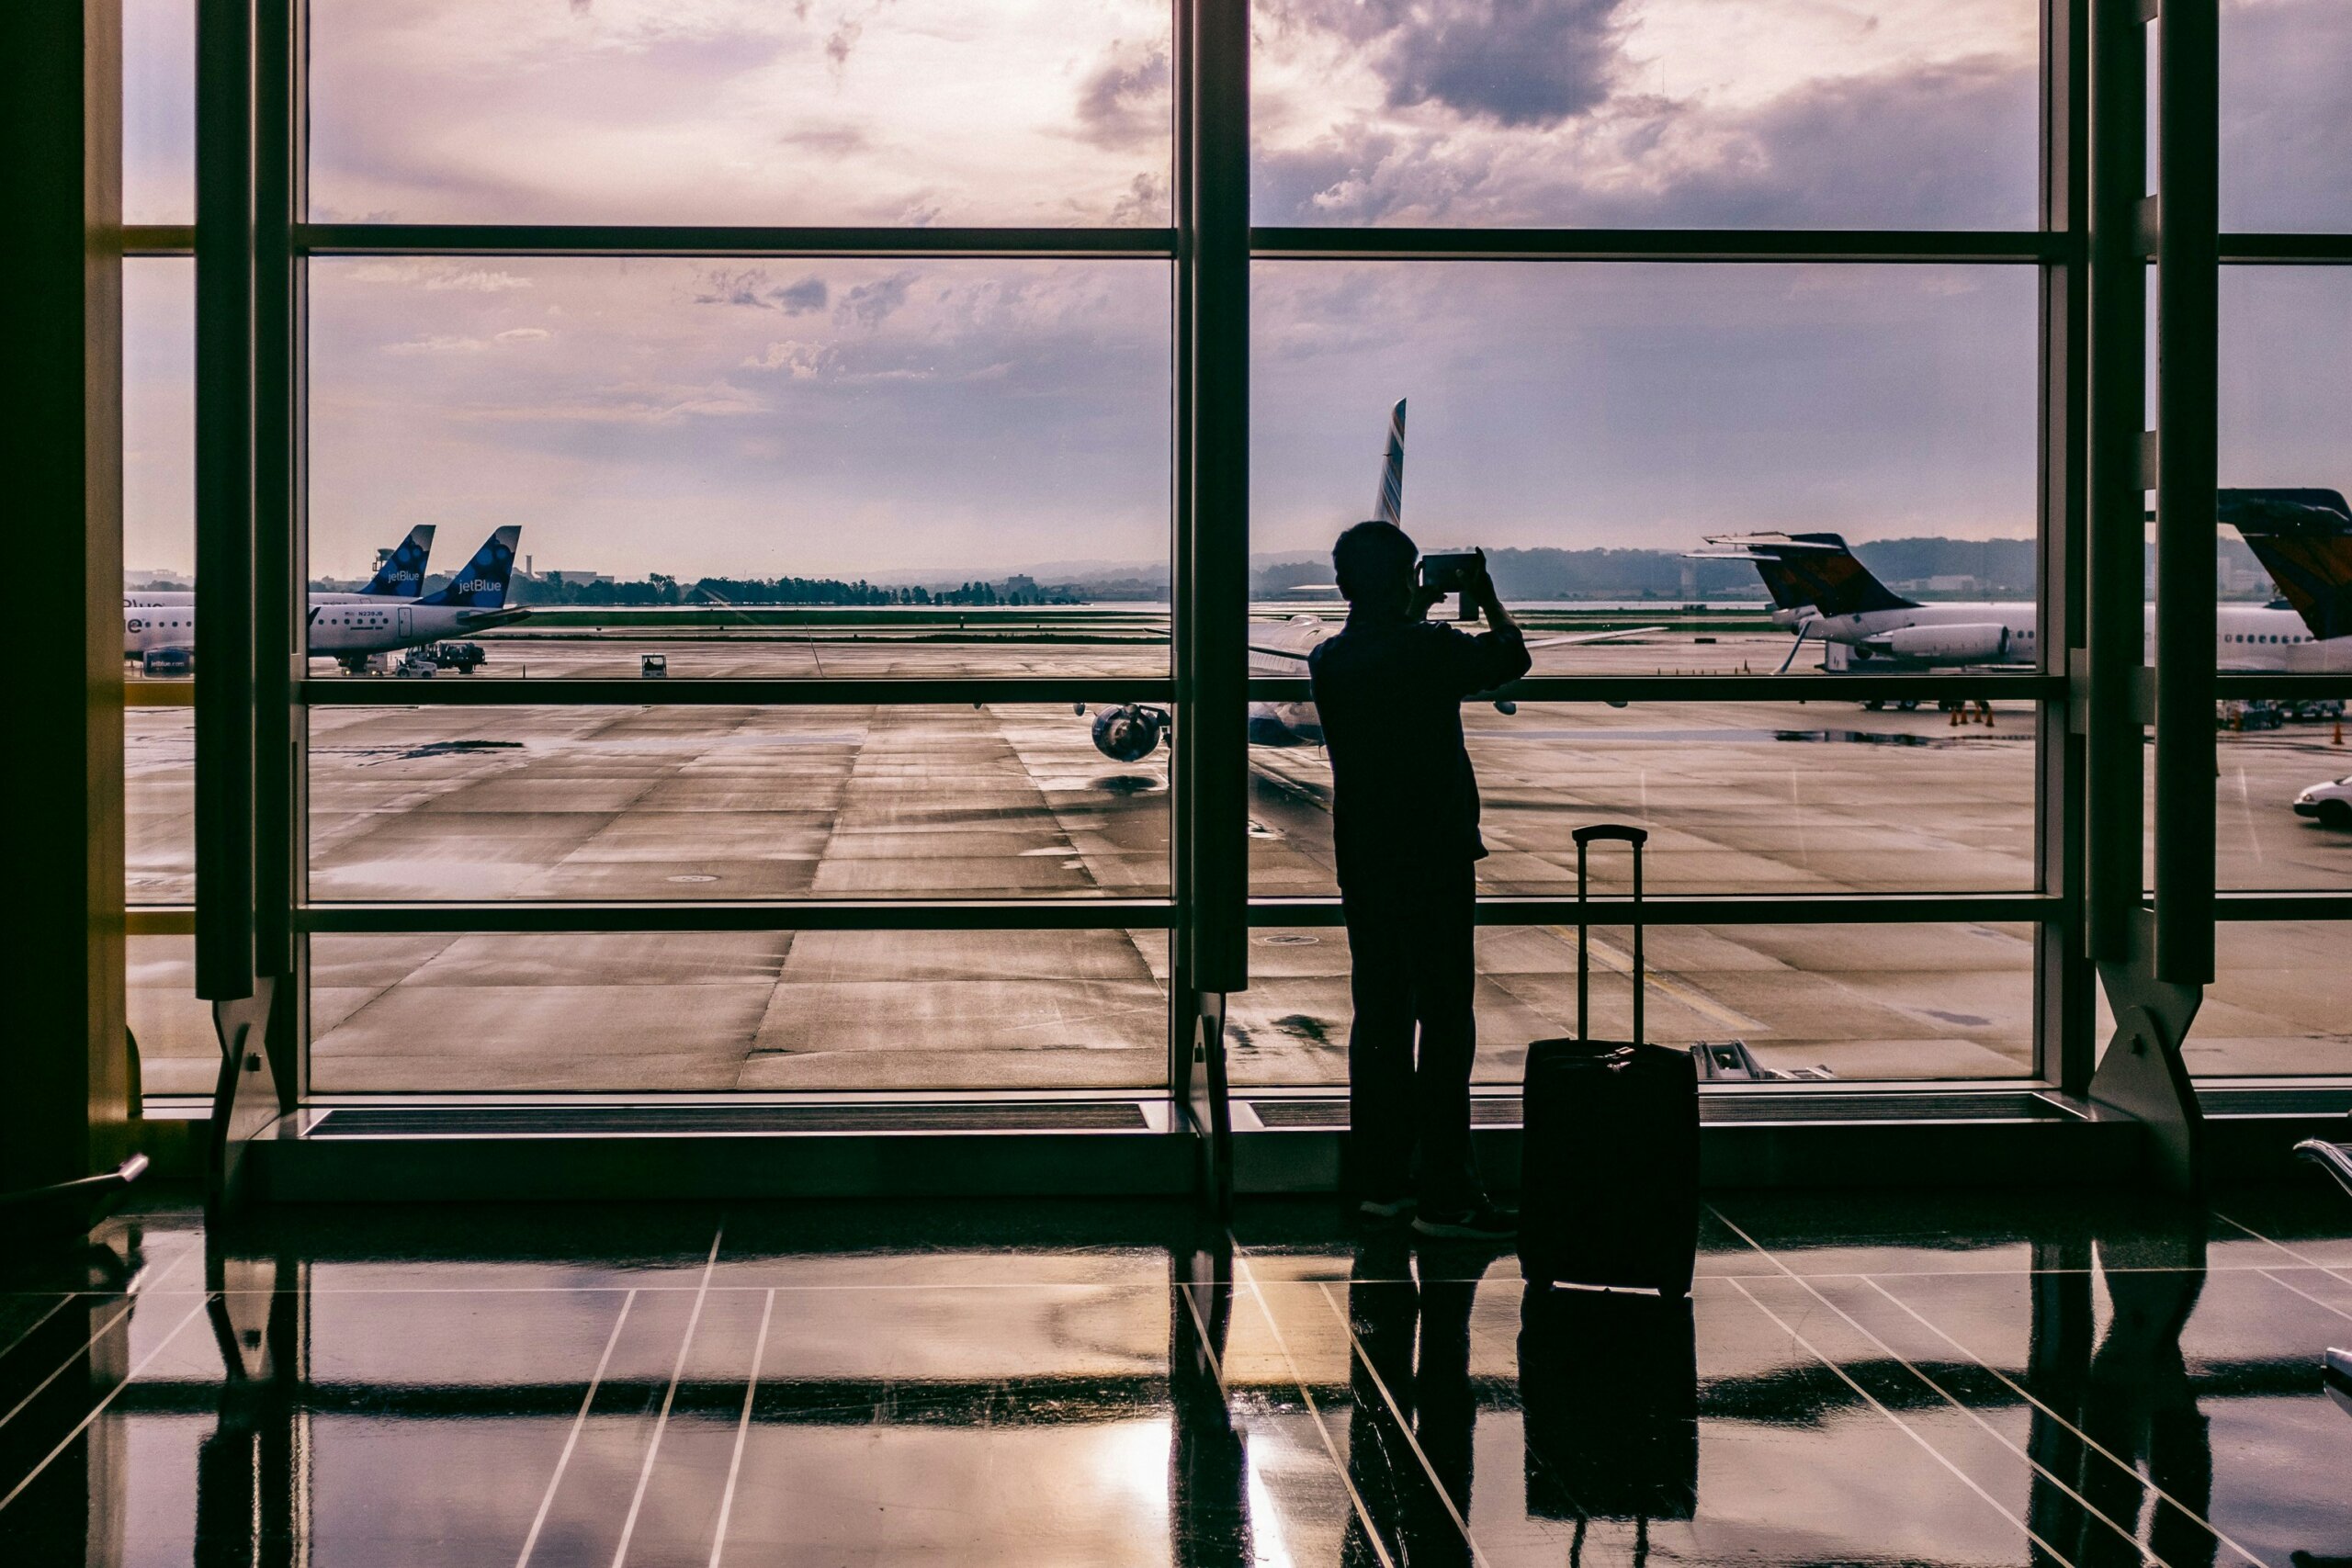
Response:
column 1504, row 647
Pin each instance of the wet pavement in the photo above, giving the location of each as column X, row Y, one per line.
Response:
column 2073, row 1378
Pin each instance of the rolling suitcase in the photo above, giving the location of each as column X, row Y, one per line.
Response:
column 1608, row 1171
column 1609, row 1395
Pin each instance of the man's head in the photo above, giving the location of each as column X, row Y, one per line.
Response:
column 1373, row 562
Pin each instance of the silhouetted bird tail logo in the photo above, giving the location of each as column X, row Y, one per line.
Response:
column 2303, row 539
column 483, row 584
column 1391, row 504
column 402, row 574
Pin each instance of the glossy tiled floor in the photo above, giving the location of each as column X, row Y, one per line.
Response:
column 2071, row 1378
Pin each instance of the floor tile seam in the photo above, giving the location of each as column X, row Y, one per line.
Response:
column 715, row 1289
column 1298, row 1381
column 1906, row 1428
column 2145, row 1483
column 2306, row 1261
column 572, row 1440
column 1404, row 1428
column 66, row 1365
column 2329, row 1306
column 111, row 1394
column 1208, row 1345
column 742, row 1433
column 669, row 1400
column 2035, row 1465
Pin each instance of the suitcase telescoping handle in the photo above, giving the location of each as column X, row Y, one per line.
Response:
column 1618, row 832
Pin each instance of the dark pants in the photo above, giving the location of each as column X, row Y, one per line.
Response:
column 1408, row 942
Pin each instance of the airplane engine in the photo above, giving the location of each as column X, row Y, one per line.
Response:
column 1961, row 644
column 1130, row 733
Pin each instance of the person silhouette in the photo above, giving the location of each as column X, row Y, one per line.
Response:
column 1388, row 688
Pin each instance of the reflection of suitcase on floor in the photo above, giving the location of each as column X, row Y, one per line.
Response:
column 1609, row 1168
column 1609, row 1384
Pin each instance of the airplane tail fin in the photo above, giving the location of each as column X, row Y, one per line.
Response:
column 1802, row 569
column 483, row 584
column 1390, row 507
column 2304, row 539
column 402, row 574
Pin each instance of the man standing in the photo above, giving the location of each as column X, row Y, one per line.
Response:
column 1388, row 690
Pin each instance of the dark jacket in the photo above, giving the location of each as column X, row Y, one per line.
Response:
column 1389, row 696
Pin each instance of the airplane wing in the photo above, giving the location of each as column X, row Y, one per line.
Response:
column 1273, row 652
column 1593, row 637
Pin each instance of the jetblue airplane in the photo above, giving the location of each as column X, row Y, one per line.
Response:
column 349, row 627
column 2304, row 539
column 401, row 576
column 1132, row 732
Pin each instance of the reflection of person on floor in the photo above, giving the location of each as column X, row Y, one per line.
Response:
column 1389, row 689
column 1433, row 1409
column 2137, row 1403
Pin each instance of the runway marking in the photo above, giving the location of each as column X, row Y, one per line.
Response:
column 1620, row 961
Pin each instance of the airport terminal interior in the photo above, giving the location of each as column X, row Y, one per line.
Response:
column 726, row 944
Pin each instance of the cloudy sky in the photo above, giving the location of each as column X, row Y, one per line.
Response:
column 962, row 416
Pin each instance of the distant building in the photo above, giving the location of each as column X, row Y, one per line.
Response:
column 139, row 576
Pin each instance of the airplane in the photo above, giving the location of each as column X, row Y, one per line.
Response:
column 351, row 628
column 2303, row 537
column 1133, row 732
column 401, row 576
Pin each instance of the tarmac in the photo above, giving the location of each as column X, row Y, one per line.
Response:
column 1012, row 801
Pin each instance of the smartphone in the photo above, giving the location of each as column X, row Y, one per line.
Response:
column 1453, row 574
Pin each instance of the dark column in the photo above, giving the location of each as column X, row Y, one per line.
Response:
column 63, row 1114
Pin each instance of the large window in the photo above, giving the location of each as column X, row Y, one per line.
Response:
column 752, row 473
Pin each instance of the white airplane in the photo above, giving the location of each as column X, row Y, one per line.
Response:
column 401, row 576
column 2303, row 537
column 1132, row 732
column 351, row 626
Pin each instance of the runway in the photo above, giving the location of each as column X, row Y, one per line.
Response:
column 538, row 802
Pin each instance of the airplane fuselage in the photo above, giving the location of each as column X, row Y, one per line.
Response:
column 340, row 628
column 2248, row 637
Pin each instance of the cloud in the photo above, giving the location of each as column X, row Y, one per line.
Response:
column 438, row 277
column 754, row 287
column 524, row 335
column 871, row 304
column 802, row 361
column 1124, row 100
column 438, row 342
column 1512, row 62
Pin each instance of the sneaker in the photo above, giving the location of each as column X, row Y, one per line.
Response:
column 1483, row 1223
column 1387, row 1208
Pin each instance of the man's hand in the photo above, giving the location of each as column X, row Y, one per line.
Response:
column 1424, row 599
column 1481, row 591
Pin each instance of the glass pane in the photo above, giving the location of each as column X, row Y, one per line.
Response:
column 1858, row 441
column 2280, row 1002
column 2282, row 808
column 177, row 1050
column 728, row 803
column 1630, row 113
column 2285, row 140
column 635, row 111
column 707, row 1011
column 158, row 579
column 1783, row 797
column 1850, row 1002
column 780, row 469
column 2286, row 546
column 159, row 111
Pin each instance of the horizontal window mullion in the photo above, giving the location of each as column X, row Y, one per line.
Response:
column 2229, row 905
column 2259, row 250
column 717, row 240
column 1733, row 688
column 562, row 692
column 159, row 919
column 1719, row 909
column 159, row 239
column 842, row 915
column 1661, row 244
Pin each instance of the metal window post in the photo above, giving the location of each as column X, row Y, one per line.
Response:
column 2188, row 279
column 1214, row 675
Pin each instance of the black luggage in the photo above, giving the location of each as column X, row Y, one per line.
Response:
column 1608, row 1171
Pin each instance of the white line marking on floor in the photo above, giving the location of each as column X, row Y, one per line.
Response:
column 669, row 1397
column 1403, row 1426
column 82, row 1425
column 538, row 1522
column 742, row 1431
column 2306, row 1262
